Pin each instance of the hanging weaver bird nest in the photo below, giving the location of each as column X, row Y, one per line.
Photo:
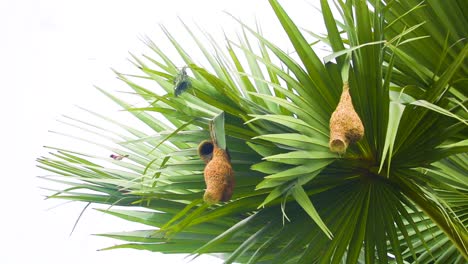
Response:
column 219, row 175
column 345, row 125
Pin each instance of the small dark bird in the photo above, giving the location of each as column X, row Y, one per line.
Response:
column 118, row 157
column 181, row 82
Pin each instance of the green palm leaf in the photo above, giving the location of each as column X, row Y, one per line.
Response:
column 396, row 196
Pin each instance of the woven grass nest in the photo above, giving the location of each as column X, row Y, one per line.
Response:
column 345, row 125
column 218, row 173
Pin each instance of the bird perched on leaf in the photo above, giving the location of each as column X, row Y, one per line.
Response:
column 181, row 82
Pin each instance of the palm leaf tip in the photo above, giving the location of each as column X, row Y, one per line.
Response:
column 345, row 125
column 217, row 133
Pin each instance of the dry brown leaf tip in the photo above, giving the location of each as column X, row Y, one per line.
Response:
column 345, row 125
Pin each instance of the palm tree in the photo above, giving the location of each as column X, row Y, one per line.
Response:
column 400, row 194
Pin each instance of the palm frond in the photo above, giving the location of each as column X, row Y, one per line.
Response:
column 396, row 196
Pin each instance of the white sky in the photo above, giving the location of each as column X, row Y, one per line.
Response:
column 52, row 52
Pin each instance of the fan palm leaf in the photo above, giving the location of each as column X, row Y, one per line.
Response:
column 398, row 195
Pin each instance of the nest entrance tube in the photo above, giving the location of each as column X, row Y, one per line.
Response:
column 345, row 125
column 205, row 150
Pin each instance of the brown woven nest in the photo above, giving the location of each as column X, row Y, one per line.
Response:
column 345, row 125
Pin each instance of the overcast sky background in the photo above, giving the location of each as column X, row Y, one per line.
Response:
column 52, row 52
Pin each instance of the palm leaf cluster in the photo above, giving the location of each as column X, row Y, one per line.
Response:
column 398, row 195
